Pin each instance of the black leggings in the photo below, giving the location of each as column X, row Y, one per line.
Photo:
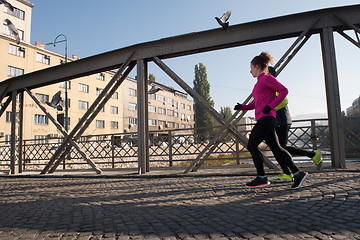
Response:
column 282, row 133
column 264, row 129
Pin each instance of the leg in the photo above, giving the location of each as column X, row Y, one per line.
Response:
column 258, row 134
column 280, row 153
column 282, row 134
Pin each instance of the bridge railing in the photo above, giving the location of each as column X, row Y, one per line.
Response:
column 174, row 147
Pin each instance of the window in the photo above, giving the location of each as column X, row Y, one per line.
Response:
column 98, row 91
column 132, row 92
column 100, row 76
column 152, row 96
column 170, row 112
column 152, row 122
column 188, row 107
column 7, row 31
column 182, row 116
column 114, row 125
column 13, row 71
column 183, row 106
column 189, row 126
column 83, row 105
column 16, row 13
column 170, row 100
column 161, row 98
column 161, row 110
column 8, row 116
column 188, row 118
column 43, row 58
column 176, row 125
column 62, row 84
column 41, row 119
column 100, row 124
column 42, row 97
column 170, row 124
column 114, row 110
column 152, row 109
column 176, row 114
column 83, row 88
column 115, row 95
column 40, row 139
column 62, row 102
column 132, row 106
column 133, row 121
column 162, row 123
column 16, row 50
column 182, row 125
column 176, row 104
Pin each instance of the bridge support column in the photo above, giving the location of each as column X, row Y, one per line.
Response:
column 333, row 98
column 142, row 113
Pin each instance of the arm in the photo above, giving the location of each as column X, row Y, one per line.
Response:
column 250, row 106
column 282, row 104
column 274, row 84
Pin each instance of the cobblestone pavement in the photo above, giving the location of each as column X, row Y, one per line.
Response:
column 203, row 207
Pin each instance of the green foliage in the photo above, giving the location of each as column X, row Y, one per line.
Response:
column 152, row 78
column 202, row 87
column 226, row 112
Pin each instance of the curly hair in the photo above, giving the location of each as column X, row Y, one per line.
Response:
column 262, row 60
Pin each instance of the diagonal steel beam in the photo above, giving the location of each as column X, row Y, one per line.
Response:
column 214, row 141
column 5, row 105
column 222, row 135
column 302, row 35
column 63, row 131
column 94, row 114
column 87, row 114
column 242, row 139
column 4, row 91
column 350, row 39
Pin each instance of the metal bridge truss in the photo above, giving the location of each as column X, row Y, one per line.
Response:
column 302, row 26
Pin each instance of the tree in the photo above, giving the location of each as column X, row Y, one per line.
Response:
column 226, row 112
column 202, row 87
column 152, row 78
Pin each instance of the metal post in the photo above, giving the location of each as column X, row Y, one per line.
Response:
column 313, row 135
column 20, row 131
column 142, row 113
column 333, row 98
column 170, row 140
column 237, row 145
column 13, row 134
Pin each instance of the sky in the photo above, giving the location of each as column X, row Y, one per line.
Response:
column 93, row 27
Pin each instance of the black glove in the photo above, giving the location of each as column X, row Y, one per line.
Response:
column 238, row 106
column 266, row 109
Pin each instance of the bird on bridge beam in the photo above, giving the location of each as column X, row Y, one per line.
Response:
column 13, row 30
column 55, row 101
column 223, row 21
column 7, row 4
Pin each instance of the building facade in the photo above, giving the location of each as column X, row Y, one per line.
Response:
column 167, row 109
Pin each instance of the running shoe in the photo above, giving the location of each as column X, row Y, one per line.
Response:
column 284, row 178
column 299, row 178
column 317, row 159
column 258, row 182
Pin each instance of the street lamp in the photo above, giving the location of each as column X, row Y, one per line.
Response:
column 66, row 82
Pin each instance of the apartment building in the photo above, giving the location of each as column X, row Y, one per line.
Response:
column 168, row 108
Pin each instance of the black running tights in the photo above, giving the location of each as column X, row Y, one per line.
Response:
column 264, row 129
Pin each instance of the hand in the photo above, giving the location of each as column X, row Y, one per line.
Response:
column 238, row 106
column 266, row 109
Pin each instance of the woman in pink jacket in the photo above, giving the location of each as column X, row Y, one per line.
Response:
column 264, row 103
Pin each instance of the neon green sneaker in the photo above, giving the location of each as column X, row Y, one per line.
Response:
column 317, row 159
column 284, row 178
